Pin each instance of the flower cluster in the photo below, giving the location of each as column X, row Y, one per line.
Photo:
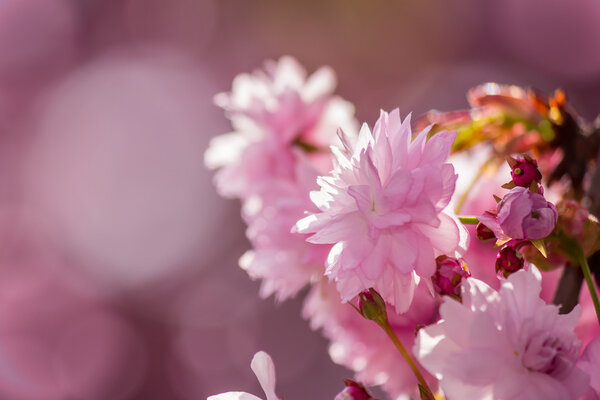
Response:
column 283, row 120
column 370, row 221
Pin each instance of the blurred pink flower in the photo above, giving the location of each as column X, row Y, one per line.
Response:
column 362, row 346
column 522, row 214
column 590, row 363
column 284, row 261
column 272, row 112
column 264, row 369
column 384, row 208
column 505, row 345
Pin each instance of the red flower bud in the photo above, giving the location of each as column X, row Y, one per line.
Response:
column 353, row 391
column 525, row 171
column 509, row 260
column 484, row 233
column 449, row 274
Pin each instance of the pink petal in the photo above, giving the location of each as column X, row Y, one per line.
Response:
column 437, row 148
column 339, row 229
column 373, row 264
column 446, row 237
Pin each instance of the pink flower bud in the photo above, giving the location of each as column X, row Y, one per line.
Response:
column 521, row 215
column 448, row 276
column 353, row 391
column 509, row 260
column 525, row 171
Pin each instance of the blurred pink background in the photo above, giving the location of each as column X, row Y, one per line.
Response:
column 118, row 261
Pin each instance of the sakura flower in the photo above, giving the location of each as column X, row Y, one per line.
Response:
column 507, row 345
column 273, row 111
column 384, row 209
column 522, row 214
column 590, row 363
column 264, row 369
column 283, row 260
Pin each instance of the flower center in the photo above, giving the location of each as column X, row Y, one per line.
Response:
column 546, row 354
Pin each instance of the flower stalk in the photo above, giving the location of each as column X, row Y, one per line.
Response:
column 587, row 274
column 468, row 219
column 372, row 307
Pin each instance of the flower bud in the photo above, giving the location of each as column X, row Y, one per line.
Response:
column 521, row 215
column 524, row 171
column 353, row 391
column 484, row 233
column 449, row 274
column 509, row 260
column 372, row 305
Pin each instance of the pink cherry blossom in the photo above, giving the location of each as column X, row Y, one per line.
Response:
column 284, row 261
column 507, row 345
column 264, row 369
column 384, row 207
column 522, row 214
column 273, row 111
column 590, row 363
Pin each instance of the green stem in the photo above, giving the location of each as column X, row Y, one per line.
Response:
column 468, row 219
column 411, row 363
column 588, row 279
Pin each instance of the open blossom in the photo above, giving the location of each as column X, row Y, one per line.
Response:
column 507, row 345
column 385, row 210
column 522, row 214
column 284, row 261
column 264, row 369
column 274, row 111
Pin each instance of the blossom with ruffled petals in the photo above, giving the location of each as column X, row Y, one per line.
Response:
column 284, row 261
column 274, row 111
column 522, row 214
column 507, row 345
column 384, row 209
column 264, row 369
